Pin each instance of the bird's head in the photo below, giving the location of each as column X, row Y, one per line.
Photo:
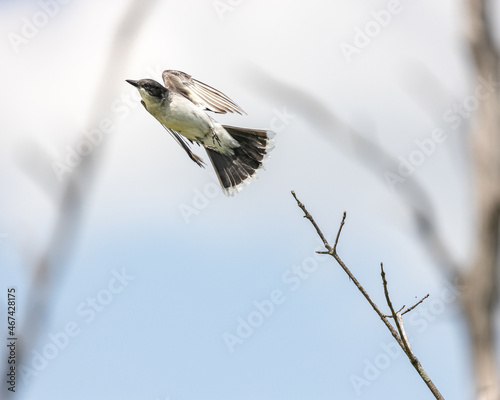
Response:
column 150, row 90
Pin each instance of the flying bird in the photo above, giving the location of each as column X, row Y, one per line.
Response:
column 181, row 107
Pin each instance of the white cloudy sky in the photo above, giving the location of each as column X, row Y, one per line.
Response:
column 193, row 278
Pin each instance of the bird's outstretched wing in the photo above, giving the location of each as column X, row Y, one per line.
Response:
column 199, row 93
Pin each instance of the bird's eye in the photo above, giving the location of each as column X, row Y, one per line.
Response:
column 153, row 91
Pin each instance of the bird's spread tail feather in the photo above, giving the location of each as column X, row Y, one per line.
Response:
column 235, row 170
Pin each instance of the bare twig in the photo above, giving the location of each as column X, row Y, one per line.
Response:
column 338, row 233
column 310, row 218
column 406, row 348
column 399, row 337
column 416, row 304
column 409, row 309
column 399, row 318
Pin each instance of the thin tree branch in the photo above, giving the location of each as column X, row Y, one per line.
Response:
column 416, row 304
column 310, row 218
column 399, row 318
column 338, row 233
column 407, row 349
column 399, row 337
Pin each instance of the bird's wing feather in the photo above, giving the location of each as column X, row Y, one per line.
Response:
column 199, row 93
column 182, row 142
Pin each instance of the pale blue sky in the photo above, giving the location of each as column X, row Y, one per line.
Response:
column 187, row 280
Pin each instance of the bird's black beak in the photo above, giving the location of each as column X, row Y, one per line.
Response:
column 133, row 83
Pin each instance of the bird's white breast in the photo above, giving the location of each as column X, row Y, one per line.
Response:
column 184, row 117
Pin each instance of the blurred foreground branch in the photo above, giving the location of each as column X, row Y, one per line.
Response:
column 52, row 262
column 399, row 334
column 481, row 279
